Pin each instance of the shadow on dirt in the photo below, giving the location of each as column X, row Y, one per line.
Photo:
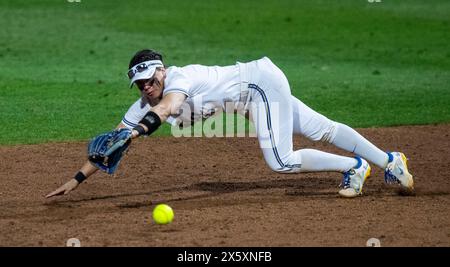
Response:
column 293, row 187
column 307, row 188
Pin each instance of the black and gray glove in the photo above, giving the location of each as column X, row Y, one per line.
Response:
column 106, row 150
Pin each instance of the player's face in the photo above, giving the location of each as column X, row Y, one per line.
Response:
column 152, row 88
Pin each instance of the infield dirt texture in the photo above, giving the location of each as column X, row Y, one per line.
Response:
column 381, row 67
column 223, row 195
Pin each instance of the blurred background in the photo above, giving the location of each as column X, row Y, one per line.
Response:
column 63, row 63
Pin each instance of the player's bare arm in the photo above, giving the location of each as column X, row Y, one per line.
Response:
column 85, row 171
column 169, row 105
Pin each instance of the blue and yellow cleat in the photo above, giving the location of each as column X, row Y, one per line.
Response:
column 353, row 180
column 396, row 171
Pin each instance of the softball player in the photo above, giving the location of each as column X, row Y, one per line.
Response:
column 258, row 89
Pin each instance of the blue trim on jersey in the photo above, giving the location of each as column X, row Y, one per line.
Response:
column 269, row 126
column 128, row 122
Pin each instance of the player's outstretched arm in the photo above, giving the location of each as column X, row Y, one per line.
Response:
column 86, row 170
column 169, row 105
column 152, row 120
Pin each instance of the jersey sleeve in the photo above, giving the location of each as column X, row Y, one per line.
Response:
column 135, row 113
column 177, row 81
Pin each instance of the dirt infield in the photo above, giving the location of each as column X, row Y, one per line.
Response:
column 223, row 194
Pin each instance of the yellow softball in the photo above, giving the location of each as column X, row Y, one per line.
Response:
column 163, row 214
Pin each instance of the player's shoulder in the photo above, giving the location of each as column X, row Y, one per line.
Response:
column 177, row 80
column 188, row 73
column 184, row 70
column 175, row 72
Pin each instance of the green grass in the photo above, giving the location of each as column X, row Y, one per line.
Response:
column 63, row 65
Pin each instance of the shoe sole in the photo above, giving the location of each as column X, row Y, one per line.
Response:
column 410, row 182
column 351, row 192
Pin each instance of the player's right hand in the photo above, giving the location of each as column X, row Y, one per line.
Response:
column 64, row 189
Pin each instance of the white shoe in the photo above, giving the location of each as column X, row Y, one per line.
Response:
column 397, row 171
column 353, row 180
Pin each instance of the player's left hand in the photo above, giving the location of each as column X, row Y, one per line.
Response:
column 64, row 189
column 105, row 151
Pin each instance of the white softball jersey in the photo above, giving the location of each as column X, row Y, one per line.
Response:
column 208, row 89
column 276, row 114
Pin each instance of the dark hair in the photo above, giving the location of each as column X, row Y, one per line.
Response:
column 144, row 55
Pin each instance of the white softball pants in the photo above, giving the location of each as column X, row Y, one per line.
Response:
column 277, row 115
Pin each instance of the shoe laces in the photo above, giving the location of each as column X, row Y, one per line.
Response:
column 346, row 180
column 389, row 177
